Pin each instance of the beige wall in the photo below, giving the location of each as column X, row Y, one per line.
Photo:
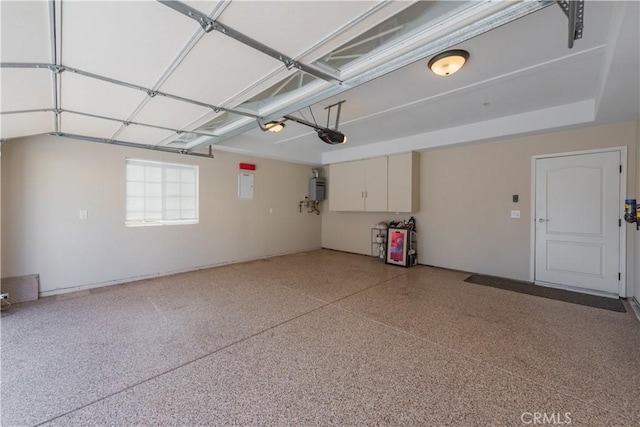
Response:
column 464, row 222
column 47, row 180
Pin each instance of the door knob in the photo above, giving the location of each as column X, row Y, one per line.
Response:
column 543, row 220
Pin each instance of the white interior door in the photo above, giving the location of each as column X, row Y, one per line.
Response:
column 577, row 229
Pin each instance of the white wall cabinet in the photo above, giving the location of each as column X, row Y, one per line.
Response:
column 375, row 184
column 359, row 186
column 381, row 184
column 346, row 184
column 404, row 182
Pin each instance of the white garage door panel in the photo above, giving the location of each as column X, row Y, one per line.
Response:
column 205, row 7
column 143, row 135
column 29, row 23
column 26, row 89
column 294, row 27
column 149, row 36
column 17, row 125
column 93, row 96
column 218, row 68
column 163, row 111
column 575, row 258
column 88, row 126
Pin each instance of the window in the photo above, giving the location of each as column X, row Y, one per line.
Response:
column 161, row 193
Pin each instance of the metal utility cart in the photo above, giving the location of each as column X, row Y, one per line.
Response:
column 379, row 242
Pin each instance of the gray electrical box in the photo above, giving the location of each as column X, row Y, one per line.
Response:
column 316, row 189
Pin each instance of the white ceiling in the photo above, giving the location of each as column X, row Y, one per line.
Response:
column 521, row 76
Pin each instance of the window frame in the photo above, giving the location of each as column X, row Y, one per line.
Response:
column 164, row 167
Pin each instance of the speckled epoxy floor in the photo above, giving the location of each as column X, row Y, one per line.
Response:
column 314, row 339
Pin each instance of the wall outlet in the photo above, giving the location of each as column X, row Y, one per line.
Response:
column 83, row 214
column 515, row 214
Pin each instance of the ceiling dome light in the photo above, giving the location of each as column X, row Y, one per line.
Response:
column 274, row 126
column 447, row 63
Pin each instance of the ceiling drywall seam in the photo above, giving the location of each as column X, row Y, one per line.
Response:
column 576, row 113
column 617, row 17
column 267, row 153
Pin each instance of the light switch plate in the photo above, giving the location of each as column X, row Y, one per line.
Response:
column 515, row 214
column 83, row 214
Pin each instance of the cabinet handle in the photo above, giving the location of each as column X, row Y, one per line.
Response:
column 365, row 194
column 362, row 194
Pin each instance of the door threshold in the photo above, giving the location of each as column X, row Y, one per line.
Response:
column 577, row 289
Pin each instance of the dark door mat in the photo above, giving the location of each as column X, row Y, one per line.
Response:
column 552, row 293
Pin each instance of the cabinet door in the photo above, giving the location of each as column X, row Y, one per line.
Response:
column 346, row 186
column 375, row 184
column 404, row 182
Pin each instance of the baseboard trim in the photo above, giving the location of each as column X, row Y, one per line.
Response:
column 348, row 252
column 89, row 286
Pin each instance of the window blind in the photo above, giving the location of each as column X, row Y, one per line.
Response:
column 161, row 193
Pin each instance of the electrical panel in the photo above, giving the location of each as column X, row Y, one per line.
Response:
column 316, row 189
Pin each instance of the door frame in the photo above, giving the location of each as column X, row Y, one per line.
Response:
column 622, row 285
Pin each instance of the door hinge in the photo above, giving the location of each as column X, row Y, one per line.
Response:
column 619, row 222
column 619, row 276
column 620, row 168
